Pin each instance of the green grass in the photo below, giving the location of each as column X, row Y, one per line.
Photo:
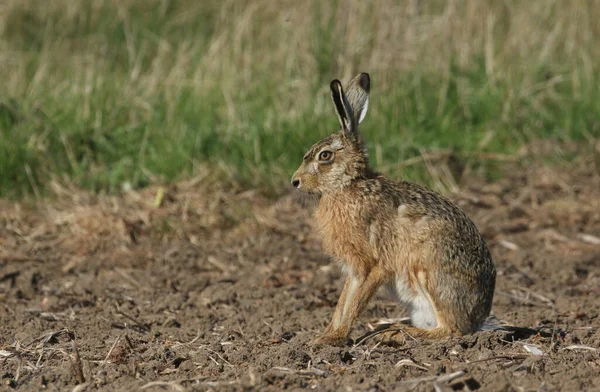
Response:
column 105, row 94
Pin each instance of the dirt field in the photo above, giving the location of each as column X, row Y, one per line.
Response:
column 198, row 289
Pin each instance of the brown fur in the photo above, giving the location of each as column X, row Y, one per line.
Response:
column 396, row 234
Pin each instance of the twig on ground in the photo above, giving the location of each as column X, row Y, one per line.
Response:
column 371, row 334
column 220, row 356
column 545, row 300
column 552, row 343
column 81, row 387
column 127, row 277
column 496, row 357
column 77, row 365
column 218, row 263
column 409, row 363
column 219, row 383
column 49, row 316
column 391, row 321
column 39, row 361
column 140, row 325
column 580, row 347
column 10, row 276
column 19, row 258
column 178, row 344
column 588, row 238
column 129, row 343
column 172, row 384
column 49, row 336
column 108, row 355
column 508, row 245
column 19, row 367
column 214, row 360
column 366, row 353
column 436, row 379
column 310, row 371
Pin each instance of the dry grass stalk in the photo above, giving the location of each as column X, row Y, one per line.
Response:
column 409, row 363
column 575, row 347
column 77, row 365
column 412, row 383
column 105, row 361
column 171, row 384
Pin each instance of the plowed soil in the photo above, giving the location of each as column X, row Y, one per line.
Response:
column 196, row 287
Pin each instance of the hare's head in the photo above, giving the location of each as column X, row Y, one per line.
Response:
column 337, row 160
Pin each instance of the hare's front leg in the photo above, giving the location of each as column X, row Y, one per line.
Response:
column 336, row 320
column 358, row 290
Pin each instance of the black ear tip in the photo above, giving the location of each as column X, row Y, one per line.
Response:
column 365, row 81
column 335, row 84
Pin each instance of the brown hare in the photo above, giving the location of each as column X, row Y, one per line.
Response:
column 395, row 234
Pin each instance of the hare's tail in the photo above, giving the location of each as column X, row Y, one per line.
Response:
column 493, row 323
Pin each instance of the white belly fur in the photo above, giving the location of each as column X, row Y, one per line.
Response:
column 419, row 307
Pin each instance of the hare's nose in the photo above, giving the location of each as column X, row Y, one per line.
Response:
column 296, row 183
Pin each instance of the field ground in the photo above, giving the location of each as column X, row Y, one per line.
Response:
column 189, row 288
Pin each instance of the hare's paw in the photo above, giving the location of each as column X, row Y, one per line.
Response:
column 392, row 337
column 397, row 335
column 331, row 339
column 392, row 334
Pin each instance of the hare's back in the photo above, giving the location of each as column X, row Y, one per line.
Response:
column 435, row 222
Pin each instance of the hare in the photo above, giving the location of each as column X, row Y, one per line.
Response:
column 399, row 235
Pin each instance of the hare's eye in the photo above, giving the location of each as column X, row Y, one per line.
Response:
column 325, row 155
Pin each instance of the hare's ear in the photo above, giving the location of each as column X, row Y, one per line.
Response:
column 357, row 95
column 342, row 107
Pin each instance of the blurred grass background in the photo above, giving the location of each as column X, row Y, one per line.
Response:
column 108, row 94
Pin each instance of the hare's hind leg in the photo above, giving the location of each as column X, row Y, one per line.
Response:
column 427, row 322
